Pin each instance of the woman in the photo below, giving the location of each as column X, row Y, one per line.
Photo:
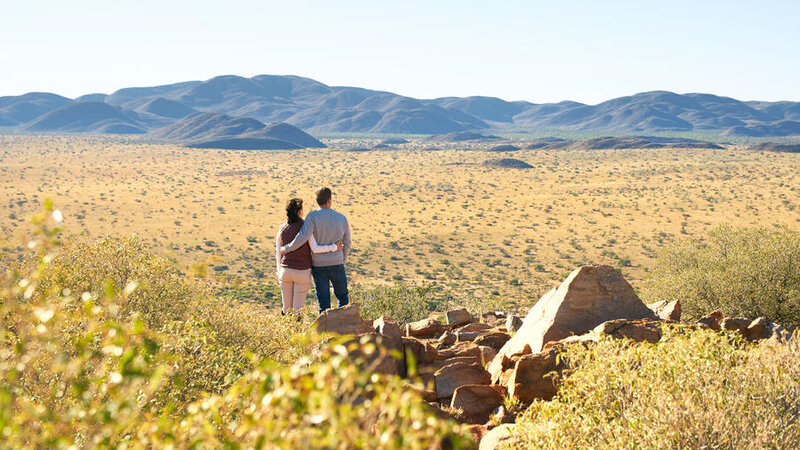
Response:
column 294, row 268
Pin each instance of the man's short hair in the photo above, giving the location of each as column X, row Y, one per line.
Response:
column 323, row 195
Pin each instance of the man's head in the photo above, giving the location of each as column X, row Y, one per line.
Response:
column 324, row 197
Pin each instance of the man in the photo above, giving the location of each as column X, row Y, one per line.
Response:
column 327, row 226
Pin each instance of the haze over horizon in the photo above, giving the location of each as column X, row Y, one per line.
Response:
column 534, row 51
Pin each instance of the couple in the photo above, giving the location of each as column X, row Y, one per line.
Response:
column 316, row 247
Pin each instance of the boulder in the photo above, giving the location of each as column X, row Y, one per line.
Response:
column 477, row 432
column 513, row 323
column 426, row 394
column 452, row 376
column 636, row 330
column 446, row 340
column 467, row 335
column 392, row 340
column 499, row 437
column 734, row 324
column 461, row 349
column 374, row 357
column 476, row 402
column 458, row 317
column 503, row 416
column 432, row 367
column 421, row 352
column 344, row 320
column 472, row 327
column 778, row 333
column 529, row 378
column 426, row 328
column 666, row 310
column 711, row 320
column 590, row 296
column 494, row 339
column 758, row 329
column 487, row 354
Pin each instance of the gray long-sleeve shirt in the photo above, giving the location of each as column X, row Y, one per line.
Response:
column 327, row 226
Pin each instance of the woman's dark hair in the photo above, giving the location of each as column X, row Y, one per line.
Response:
column 292, row 207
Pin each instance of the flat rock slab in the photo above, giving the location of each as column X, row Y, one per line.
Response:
column 452, row 376
column 344, row 320
column 458, row 317
column 426, row 328
column 666, row 310
column 643, row 330
column 476, row 401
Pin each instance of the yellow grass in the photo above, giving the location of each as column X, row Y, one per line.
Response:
column 428, row 217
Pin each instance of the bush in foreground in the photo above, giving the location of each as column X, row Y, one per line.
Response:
column 749, row 272
column 694, row 390
column 106, row 367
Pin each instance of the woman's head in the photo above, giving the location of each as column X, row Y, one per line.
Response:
column 294, row 210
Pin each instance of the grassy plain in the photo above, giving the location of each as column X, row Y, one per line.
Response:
column 418, row 216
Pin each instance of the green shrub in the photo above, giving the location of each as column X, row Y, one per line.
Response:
column 400, row 302
column 88, row 371
column 748, row 272
column 694, row 390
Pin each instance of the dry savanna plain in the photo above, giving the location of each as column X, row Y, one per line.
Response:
column 419, row 215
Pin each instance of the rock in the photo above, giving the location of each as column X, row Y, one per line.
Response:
column 467, row 335
column 473, row 327
column 375, row 357
column 502, row 415
column 438, row 364
column 458, row 317
column 734, row 324
column 528, row 379
column 666, row 310
column 421, row 352
column 426, row 394
column 590, row 296
column 392, row 340
column 778, row 333
column 344, row 320
column 487, row 354
column 499, row 437
column 477, row 432
column 494, row 339
column 428, row 328
column 711, row 320
column 452, row 376
column 636, row 330
column 476, row 401
column 493, row 319
column 513, row 323
column 758, row 329
column 446, row 340
column 461, row 349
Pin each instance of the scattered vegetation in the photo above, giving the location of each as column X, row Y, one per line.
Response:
column 745, row 272
column 88, row 360
column 691, row 390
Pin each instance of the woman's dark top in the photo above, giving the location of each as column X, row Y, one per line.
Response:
column 299, row 259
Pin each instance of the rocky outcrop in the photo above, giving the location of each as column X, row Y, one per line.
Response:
column 590, row 296
column 666, row 310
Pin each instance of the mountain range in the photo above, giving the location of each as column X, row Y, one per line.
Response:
column 319, row 108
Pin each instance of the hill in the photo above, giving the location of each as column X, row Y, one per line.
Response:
column 507, row 163
column 87, row 117
column 209, row 130
column 319, row 108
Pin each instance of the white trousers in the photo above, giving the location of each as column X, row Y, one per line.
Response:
column 295, row 285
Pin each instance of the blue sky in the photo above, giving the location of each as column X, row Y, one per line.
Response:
column 540, row 51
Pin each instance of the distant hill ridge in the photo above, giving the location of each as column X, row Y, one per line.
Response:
column 319, row 108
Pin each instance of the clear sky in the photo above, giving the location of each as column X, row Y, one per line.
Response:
column 540, row 51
